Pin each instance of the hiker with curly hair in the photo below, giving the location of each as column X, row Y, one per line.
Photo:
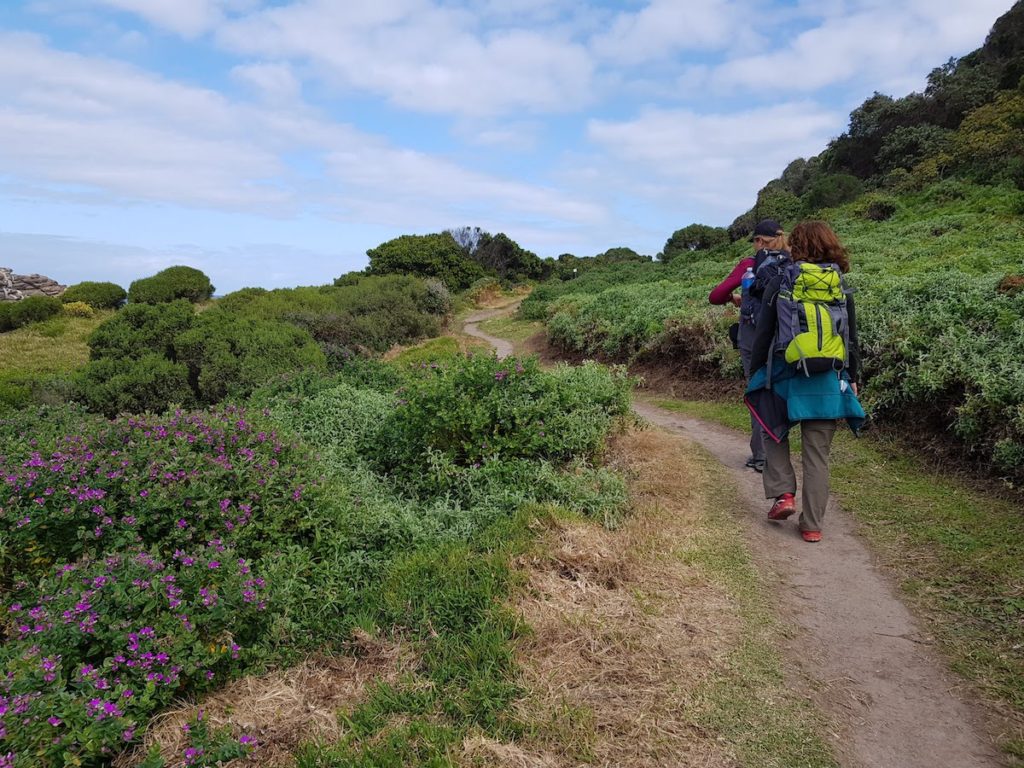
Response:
column 769, row 241
column 806, row 366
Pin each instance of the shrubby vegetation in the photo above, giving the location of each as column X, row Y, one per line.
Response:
column 96, row 295
column 34, row 309
column 149, row 356
column 941, row 337
column 171, row 284
column 154, row 557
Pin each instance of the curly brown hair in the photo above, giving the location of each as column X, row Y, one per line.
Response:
column 814, row 241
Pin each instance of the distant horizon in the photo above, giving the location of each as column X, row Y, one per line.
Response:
column 271, row 143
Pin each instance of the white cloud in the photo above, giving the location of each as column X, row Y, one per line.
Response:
column 889, row 46
column 421, row 57
column 188, row 18
column 713, row 160
column 275, row 83
column 70, row 119
column 128, row 135
column 665, row 27
column 403, row 187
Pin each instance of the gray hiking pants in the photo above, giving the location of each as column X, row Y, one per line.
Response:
column 746, row 342
column 779, row 478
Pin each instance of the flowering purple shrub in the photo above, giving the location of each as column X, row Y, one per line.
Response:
column 163, row 483
column 132, row 555
column 107, row 642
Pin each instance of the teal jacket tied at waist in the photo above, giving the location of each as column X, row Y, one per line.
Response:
column 794, row 397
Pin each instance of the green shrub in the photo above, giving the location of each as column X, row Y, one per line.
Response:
column 96, row 295
column 34, row 309
column 171, row 284
column 480, row 409
column 140, row 330
column 78, row 309
column 148, row 383
column 230, row 355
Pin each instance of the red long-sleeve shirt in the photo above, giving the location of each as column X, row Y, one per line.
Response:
column 722, row 293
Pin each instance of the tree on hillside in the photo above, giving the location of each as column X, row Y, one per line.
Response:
column 436, row 255
column 694, row 237
column 620, row 253
column 957, row 87
column 502, row 255
column 989, row 145
column 831, row 190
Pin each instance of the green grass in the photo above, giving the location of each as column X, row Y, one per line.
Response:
column 512, row 329
column 467, row 679
column 36, row 360
column 958, row 552
column 749, row 705
column 431, row 351
column 57, row 345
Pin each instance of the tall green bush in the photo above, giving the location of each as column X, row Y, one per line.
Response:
column 171, row 284
column 436, row 255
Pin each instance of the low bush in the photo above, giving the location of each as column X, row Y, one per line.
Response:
column 150, row 383
column 142, row 329
column 228, row 355
column 171, row 284
column 480, row 409
column 148, row 357
column 133, row 570
column 96, row 295
column 78, row 309
column 34, row 309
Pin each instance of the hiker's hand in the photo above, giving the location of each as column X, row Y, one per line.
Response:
column 736, row 299
column 853, row 386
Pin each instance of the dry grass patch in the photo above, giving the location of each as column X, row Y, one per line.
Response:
column 283, row 709
column 624, row 630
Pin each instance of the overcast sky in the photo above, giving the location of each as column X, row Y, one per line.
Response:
column 272, row 142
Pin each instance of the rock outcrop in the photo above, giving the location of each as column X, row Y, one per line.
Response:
column 17, row 287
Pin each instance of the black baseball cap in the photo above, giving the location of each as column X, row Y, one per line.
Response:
column 766, row 228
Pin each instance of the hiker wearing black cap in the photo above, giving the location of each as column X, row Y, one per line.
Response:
column 770, row 249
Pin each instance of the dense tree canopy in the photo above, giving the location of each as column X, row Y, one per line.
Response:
column 695, row 237
column 435, row 255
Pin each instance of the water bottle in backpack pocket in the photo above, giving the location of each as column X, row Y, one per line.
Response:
column 813, row 324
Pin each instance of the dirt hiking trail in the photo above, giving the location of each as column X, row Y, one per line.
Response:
column 857, row 647
column 853, row 638
column 471, row 328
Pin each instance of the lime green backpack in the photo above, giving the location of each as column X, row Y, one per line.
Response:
column 813, row 324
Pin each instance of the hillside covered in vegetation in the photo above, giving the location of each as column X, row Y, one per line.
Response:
column 927, row 192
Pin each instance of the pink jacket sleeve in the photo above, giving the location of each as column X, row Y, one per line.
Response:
column 721, row 292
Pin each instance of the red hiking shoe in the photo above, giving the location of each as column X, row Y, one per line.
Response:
column 784, row 506
column 811, row 536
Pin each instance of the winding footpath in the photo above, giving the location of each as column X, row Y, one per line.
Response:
column 860, row 653
column 472, row 328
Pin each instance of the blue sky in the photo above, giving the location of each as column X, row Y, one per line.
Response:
column 272, row 142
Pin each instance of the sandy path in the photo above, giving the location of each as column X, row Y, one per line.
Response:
column 869, row 663
column 868, row 659
column 471, row 328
